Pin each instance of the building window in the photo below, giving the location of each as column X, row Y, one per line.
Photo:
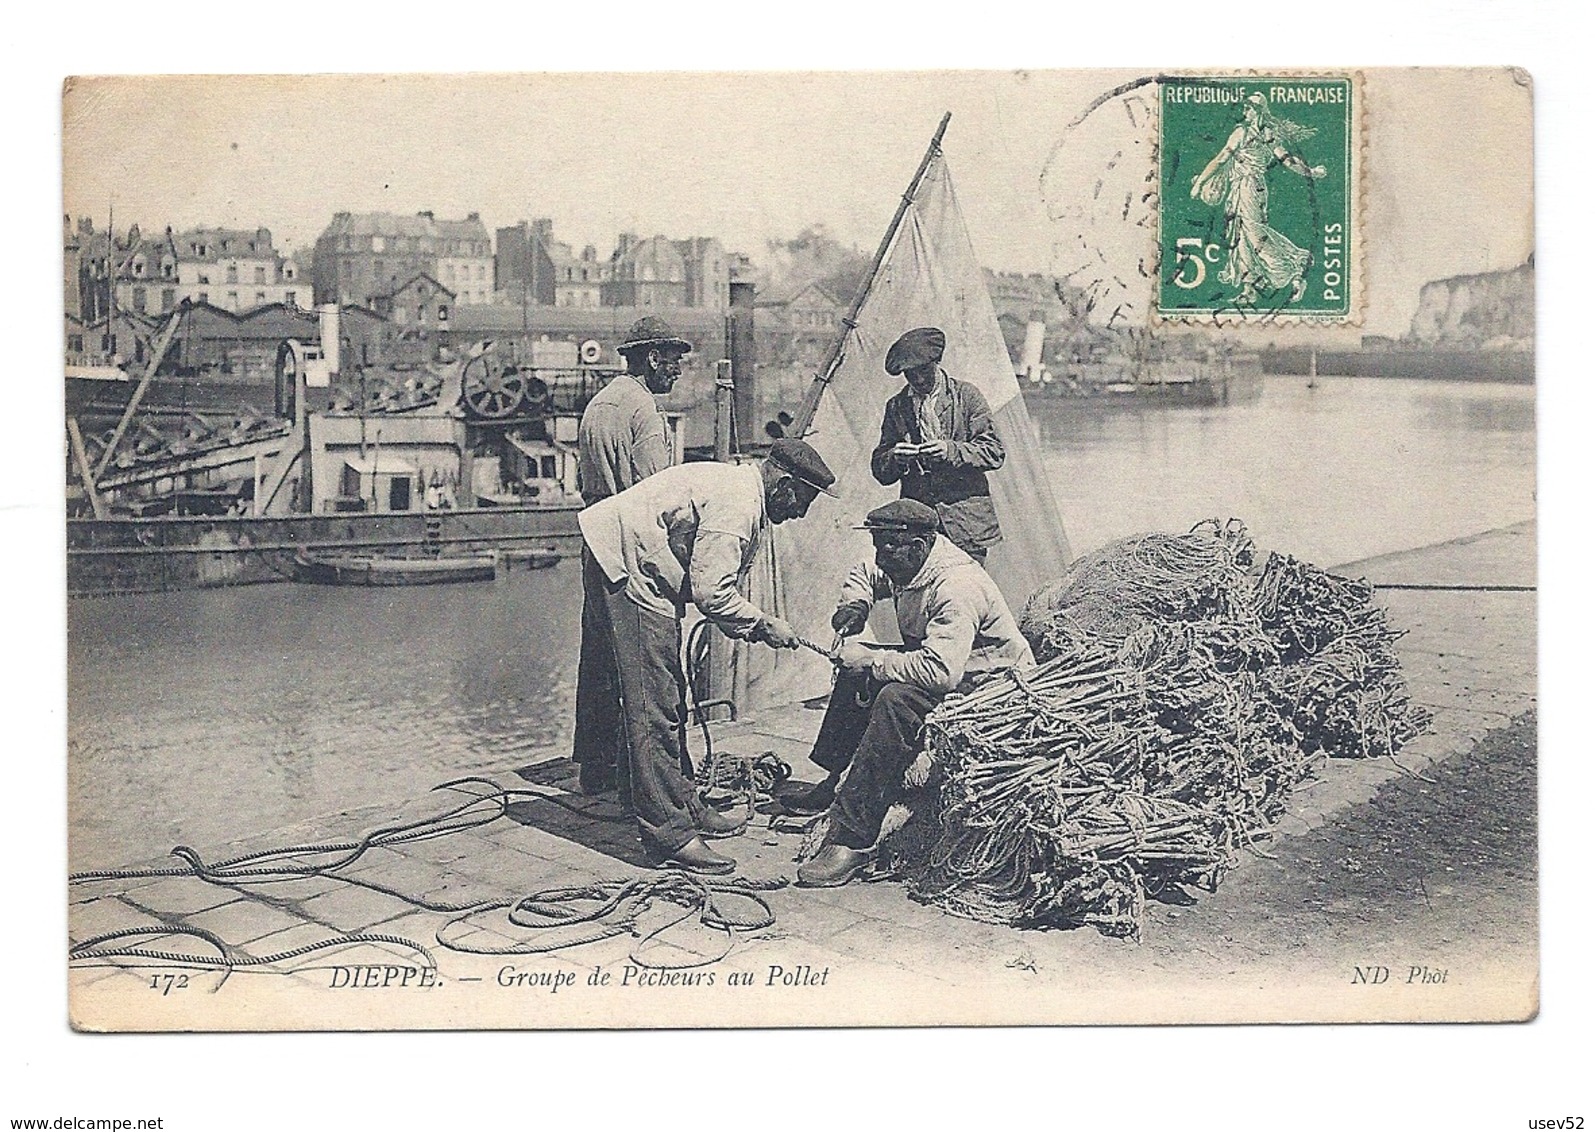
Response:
column 291, row 298
column 168, row 298
column 260, row 298
column 260, row 275
column 232, row 300
column 232, row 273
column 204, row 296
column 204, row 277
column 138, row 300
column 479, row 275
column 443, row 314
column 74, row 342
column 138, row 267
column 420, row 312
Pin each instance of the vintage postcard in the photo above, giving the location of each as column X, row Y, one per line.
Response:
column 836, row 549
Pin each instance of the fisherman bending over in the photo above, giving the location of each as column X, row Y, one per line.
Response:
column 938, row 439
column 688, row 533
column 957, row 630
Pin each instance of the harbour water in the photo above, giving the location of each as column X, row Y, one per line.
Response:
column 200, row 716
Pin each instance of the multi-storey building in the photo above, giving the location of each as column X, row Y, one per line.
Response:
column 361, row 256
column 235, row 269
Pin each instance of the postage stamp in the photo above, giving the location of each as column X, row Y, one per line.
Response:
column 1257, row 198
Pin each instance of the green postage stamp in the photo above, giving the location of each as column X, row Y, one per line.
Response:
column 1258, row 188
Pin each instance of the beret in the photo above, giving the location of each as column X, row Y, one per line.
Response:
column 921, row 346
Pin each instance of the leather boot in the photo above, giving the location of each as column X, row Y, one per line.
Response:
column 806, row 801
column 696, row 857
column 832, row 867
column 712, row 824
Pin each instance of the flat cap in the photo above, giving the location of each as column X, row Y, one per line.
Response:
column 651, row 333
column 918, row 347
column 798, row 459
column 902, row 515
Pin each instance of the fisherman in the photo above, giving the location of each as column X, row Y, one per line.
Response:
column 957, row 631
column 688, row 533
column 938, row 440
column 621, row 440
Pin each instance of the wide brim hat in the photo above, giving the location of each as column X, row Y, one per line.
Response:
column 652, row 333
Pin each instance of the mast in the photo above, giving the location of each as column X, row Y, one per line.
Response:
column 811, row 400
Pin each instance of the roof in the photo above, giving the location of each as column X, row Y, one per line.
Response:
column 414, row 224
column 234, row 243
column 786, row 296
column 416, row 278
column 379, row 465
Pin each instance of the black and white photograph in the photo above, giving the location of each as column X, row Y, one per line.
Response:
column 690, row 550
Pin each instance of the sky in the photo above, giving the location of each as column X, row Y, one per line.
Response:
column 756, row 157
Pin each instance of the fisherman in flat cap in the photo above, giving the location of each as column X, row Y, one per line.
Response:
column 938, row 441
column 957, row 631
column 687, row 534
column 621, row 440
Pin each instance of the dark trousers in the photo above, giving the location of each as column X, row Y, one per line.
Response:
column 599, row 743
column 874, row 729
column 647, row 651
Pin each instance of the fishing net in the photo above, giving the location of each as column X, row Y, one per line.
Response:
column 1182, row 693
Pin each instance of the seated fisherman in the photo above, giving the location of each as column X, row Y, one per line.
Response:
column 956, row 630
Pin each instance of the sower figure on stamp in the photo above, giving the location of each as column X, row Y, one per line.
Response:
column 938, row 441
column 621, row 441
column 688, row 533
column 957, row 630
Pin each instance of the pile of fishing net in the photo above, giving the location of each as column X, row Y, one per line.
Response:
column 1183, row 690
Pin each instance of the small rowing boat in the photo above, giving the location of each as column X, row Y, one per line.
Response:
column 379, row 570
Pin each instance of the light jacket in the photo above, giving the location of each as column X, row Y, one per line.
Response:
column 952, row 618
column 688, row 533
column 957, row 487
column 621, row 439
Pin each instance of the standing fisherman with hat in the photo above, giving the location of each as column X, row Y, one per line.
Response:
column 956, row 629
column 688, row 533
column 621, row 440
column 938, row 440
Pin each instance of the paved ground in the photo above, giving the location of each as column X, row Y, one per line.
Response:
column 1284, row 938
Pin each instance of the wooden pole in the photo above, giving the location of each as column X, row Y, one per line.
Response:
column 811, row 400
column 163, row 342
column 81, row 456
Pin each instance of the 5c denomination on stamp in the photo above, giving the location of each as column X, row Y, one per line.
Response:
column 1257, row 194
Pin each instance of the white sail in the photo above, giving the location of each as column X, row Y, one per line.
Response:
column 929, row 277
